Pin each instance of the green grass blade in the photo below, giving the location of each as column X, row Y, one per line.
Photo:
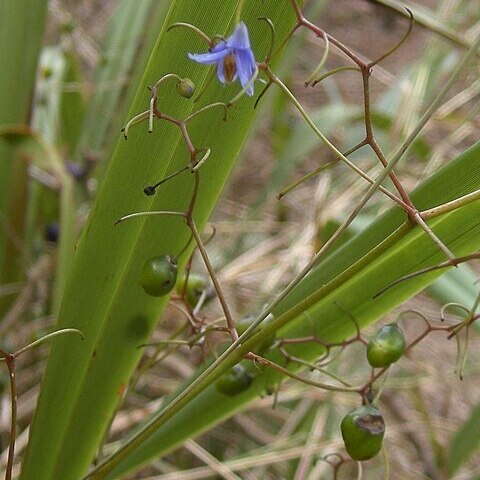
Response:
column 465, row 442
column 128, row 43
column 18, row 71
column 84, row 381
column 21, row 30
column 458, row 178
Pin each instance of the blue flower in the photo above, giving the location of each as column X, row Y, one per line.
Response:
column 234, row 58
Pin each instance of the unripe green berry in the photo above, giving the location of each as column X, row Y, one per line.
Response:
column 158, row 275
column 234, row 381
column 196, row 285
column 386, row 347
column 245, row 322
column 185, row 87
column 362, row 431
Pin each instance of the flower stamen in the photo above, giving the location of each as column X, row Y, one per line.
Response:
column 229, row 67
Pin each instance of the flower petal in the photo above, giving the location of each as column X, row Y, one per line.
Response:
column 239, row 38
column 246, row 68
column 221, row 45
column 208, row 58
column 233, row 57
column 221, row 71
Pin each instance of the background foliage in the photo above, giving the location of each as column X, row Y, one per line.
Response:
column 64, row 164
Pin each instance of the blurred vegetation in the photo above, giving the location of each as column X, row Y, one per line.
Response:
column 67, row 175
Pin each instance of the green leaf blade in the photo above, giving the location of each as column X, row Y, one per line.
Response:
column 103, row 297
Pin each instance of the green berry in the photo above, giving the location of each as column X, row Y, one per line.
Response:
column 235, row 381
column 246, row 321
column 386, row 347
column 196, row 285
column 158, row 275
column 185, row 88
column 362, row 431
